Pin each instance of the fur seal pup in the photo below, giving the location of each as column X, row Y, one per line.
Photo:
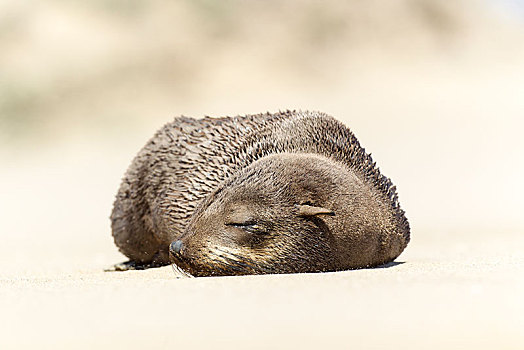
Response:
column 269, row 193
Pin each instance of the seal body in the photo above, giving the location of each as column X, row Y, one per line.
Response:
column 269, row 193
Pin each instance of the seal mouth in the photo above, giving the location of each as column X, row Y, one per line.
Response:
column 178, row 264
column 180, row 272
column 216, row 262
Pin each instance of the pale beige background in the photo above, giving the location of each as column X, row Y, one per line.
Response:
column 434, row 89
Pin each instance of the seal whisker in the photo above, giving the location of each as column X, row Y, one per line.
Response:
column 232, row 259
column 240, row 263
column 245, row 262
column 229, row 266
column 180, row 272
column 256, row 263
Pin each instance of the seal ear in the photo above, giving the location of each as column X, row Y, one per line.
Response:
column 309, row 210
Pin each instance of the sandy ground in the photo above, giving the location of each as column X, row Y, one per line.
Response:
column 454, row 290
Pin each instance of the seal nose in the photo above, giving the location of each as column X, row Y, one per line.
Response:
column 176, row 247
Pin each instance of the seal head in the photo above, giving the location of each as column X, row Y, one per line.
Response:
column 288, row 213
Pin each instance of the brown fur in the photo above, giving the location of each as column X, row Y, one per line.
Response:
column 312, row 197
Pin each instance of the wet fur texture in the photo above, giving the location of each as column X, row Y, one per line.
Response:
column 269, row 193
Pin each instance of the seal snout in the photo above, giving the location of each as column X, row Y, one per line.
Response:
column 176, row 247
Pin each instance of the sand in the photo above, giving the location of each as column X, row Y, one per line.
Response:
column 444, row 292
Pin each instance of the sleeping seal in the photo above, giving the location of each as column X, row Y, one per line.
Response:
column 269, row 193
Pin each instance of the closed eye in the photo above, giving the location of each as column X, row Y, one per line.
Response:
column 242, row 224
column 250, row 227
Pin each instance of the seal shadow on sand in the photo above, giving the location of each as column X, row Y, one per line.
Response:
column 388, row 265
column 179, row 273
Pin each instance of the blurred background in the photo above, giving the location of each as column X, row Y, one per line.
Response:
column 433, row 89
